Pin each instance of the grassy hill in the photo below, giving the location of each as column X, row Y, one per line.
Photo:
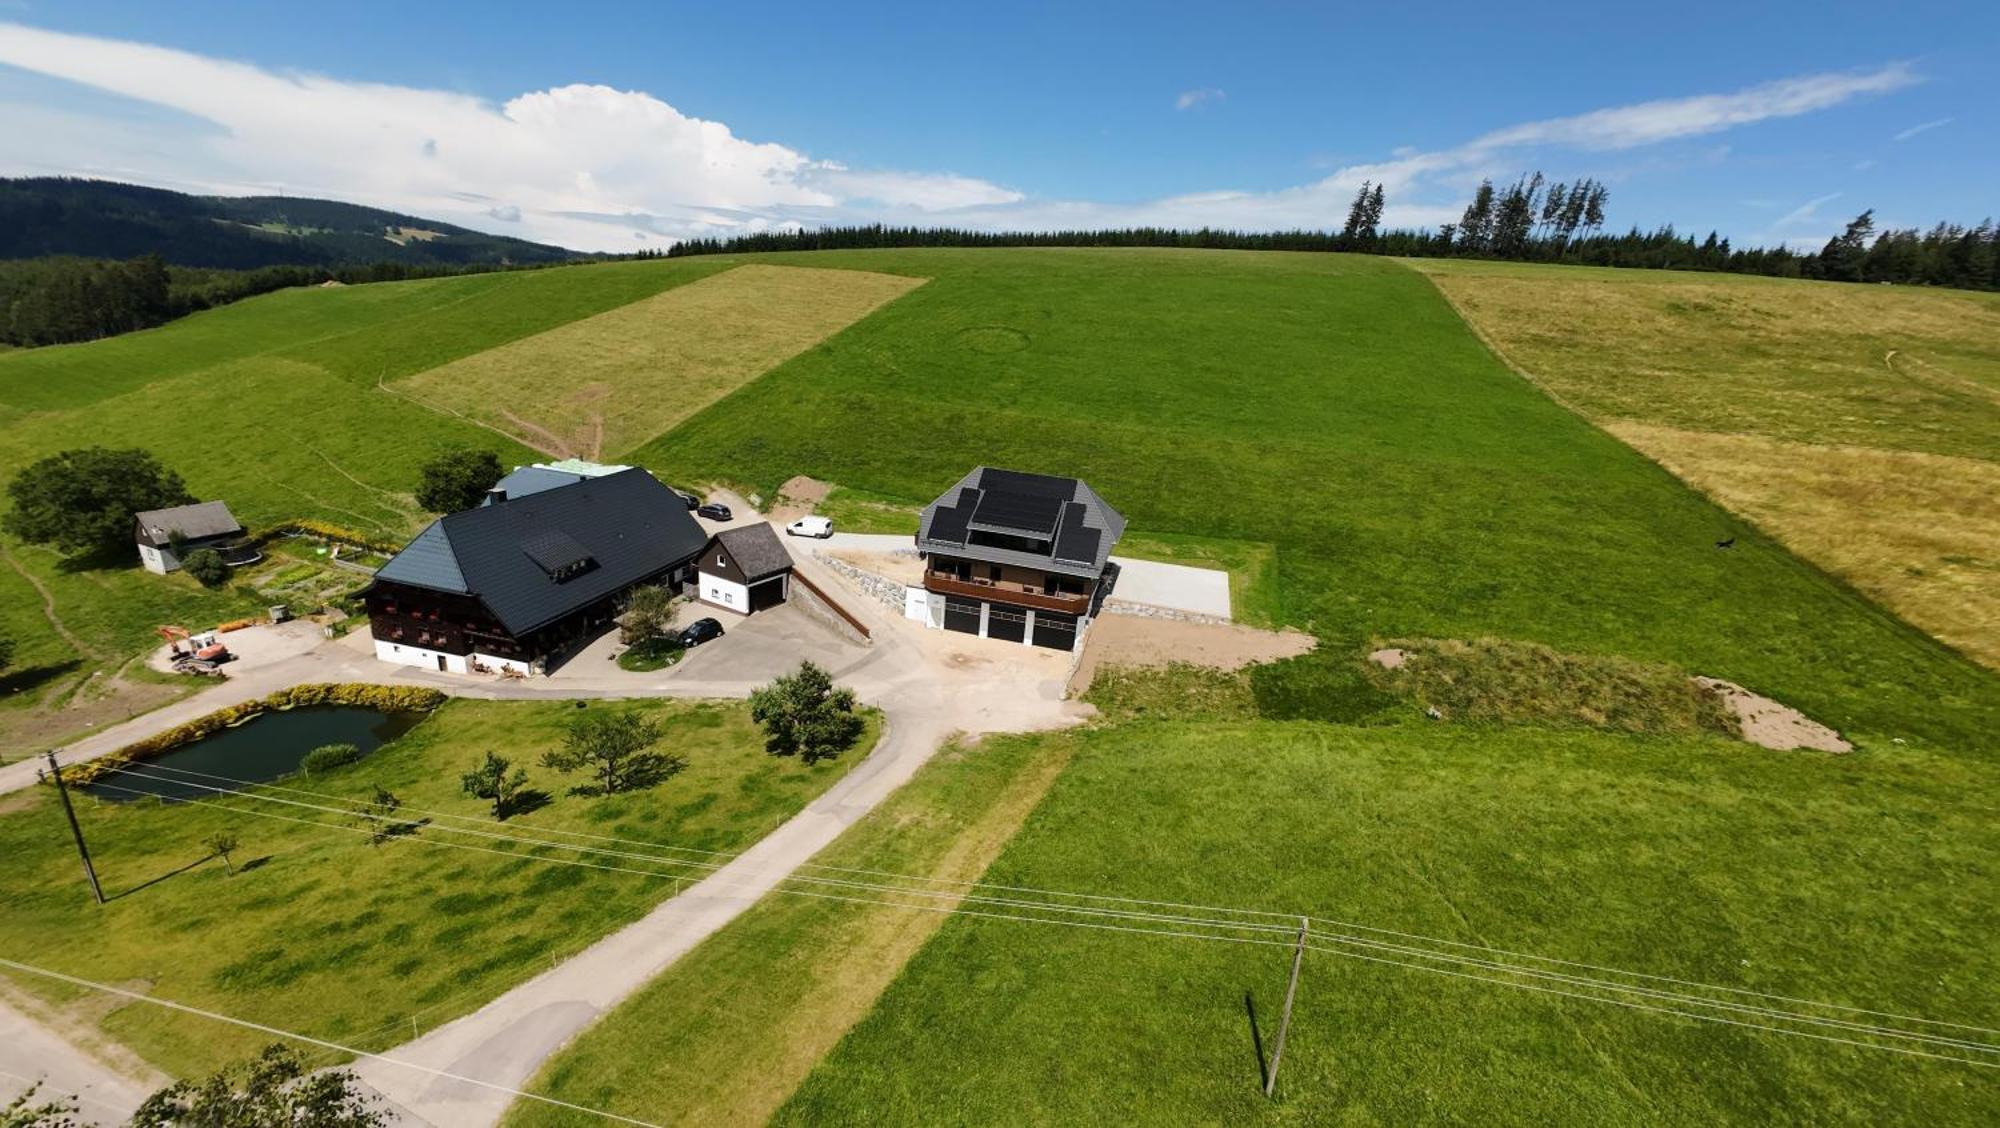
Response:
column 1330, row 418
column 103, row 219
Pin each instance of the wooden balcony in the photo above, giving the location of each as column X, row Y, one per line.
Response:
column 1000, row 591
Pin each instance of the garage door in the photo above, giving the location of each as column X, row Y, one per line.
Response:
column 961, row 615
column 770, row 593
column 1006, row 624
column 1057, row 632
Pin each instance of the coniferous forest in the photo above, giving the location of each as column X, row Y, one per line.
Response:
column 1532, row 220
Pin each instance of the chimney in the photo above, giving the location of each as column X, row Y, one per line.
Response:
column 496, row 494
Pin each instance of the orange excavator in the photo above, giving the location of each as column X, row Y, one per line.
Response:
column 195, row 653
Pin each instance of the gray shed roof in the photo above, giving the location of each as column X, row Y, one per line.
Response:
column 756, row 549
column 527, row 480
column 531, row 560
column 202, row 519
column 1079, row 526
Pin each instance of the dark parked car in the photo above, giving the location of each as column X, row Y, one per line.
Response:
column 693, row 501
column 700, row 631
column 714, row 511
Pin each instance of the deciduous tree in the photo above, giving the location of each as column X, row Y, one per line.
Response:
column 206, row 566
column 805, row 715
column 222, row 845
column 456, row 478
column 492, row 780
column 81, row 501
column 275, row 1088
column 616, row 748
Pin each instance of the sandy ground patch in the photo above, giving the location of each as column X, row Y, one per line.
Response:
column 1770, row 724
column 1129, row 640
column 603, row 385
column 888, row 565
column 1918, row 532
column 799, row 496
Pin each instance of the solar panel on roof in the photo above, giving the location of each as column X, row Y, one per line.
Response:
column 948, row 523
column 1035, row 515
column 1077, row 542
column 1032, row 485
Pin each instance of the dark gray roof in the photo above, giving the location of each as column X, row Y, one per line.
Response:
column 756, row 549
column 527, row 480
column 1079, row 525
column 202, row 519
column 534, row 559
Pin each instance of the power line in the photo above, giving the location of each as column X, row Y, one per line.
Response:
column 1284, row 928
column 322, row 1043
column 1133, row 920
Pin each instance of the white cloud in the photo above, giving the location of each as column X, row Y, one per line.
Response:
column 1864, row 165
column 593, row 167
column 536, row 160
column 1189, row 99
column 1922, row 127
column 1806, row 212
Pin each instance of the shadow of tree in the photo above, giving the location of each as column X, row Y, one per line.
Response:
column 35, row 677
column 526, row 801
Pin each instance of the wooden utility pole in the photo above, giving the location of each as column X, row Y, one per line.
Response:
column 76, row 831
column 1285, row 1020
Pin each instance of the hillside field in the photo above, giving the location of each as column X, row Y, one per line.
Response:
column 1336, row 407
column 1860, row 425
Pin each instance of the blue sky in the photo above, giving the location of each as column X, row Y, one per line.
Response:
column 612, row 126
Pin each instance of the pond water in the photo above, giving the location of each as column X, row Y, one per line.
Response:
column 255, row 752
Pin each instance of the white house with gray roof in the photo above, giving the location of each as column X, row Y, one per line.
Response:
column 188, row 528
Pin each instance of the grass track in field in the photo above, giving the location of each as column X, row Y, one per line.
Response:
column 1860, row 425
column 1863, row 880
column 725, row 1034
column 1336, row 407
column 599, row 386
column 342, row 940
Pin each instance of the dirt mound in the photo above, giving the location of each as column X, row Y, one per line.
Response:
column 799, row 496
column 1389, row 657
column 1766, row 722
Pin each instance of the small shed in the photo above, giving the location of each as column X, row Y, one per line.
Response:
column 207, row 524
column 745, row 569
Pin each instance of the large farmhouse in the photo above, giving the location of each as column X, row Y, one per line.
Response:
column 518, row 582
column 1014, row 556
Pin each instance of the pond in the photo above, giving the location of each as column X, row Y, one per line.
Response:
column 256, row 751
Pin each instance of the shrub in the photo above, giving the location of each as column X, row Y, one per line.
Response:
column 1180, row 690
column 1509, row 682
column 457, row 478
column 1324, row 685
column 206, row 566
column 328, row 757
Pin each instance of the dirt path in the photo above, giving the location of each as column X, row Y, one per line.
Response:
column 1132, row 640
column 49, row 606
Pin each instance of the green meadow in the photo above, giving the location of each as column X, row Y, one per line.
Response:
column 324, row 933
column 1337, row 408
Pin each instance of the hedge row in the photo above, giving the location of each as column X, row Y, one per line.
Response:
column 328, row 531
column 387, row 698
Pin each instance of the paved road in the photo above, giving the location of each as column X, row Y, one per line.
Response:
column 30, row 1052
column 927, row 683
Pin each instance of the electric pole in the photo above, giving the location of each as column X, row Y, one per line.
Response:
column 76, row 831
column 1285, row 1021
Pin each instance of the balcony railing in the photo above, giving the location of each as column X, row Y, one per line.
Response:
column 1001, row 591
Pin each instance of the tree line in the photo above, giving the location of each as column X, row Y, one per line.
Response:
column 1531, row 220
column 61, row 299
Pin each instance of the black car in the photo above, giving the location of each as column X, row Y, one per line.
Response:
column 714, row 511
column 693, row 501
column 700, row 631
